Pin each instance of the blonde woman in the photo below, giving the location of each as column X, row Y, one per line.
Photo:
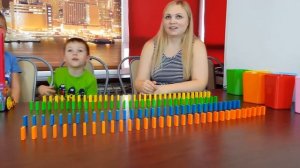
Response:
column 175, row 60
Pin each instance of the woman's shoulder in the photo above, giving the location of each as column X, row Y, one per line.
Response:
column 150, row 44
column 198, row 42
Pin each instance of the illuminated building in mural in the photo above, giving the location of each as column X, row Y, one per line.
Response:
column 101, row 17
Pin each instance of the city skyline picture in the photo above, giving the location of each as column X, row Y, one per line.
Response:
column 40, row 27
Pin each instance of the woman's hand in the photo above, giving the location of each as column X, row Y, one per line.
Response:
column 148, row 87
column 46, row 90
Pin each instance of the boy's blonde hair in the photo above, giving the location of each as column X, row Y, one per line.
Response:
column 186, row 44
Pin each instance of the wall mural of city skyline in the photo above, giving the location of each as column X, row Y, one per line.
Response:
column 35, row 26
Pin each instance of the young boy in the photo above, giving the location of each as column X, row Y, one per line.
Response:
column 12, row 69
column 73, row 79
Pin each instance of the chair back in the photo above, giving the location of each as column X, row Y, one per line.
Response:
column 27, row 80
column 214, row 65
column 28, row 76
column 133, row 67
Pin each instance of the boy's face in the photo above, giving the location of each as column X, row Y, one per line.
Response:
column 76, row 55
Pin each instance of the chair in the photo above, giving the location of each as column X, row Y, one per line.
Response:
column 213, row 70
column 28, row 77
column 90, row 67
column 133, row 66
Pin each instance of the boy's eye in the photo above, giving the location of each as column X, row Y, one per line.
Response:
column 69, row 50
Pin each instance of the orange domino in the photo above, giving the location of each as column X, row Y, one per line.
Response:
column 84, row 128
column 54, row 131
column 129, row 125
column 161, row 122
column 103, row 129
column 222, row 116
column 233, row 114
column 263, row 110
column 121, row 127
column 244, row 113
column 153, row 122
column 227, row 115
column 249, row 112
column 209, row 117
column 146, row 123
column 258, row 112
column 176, row 120
column 190, row 119
column 203, row 118
column 183, row 119
column 216, row 116
column 254, row 111
column 44, row 131
column 112, row 126
column 65, row 130
column 74, row 129
column 197, row 117
column 23, row 133
column 94, row 128
column 169, row 121
column 137, row 124
column 34, row 132
column 238, row 113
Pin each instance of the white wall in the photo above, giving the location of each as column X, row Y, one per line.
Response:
column 263, row 35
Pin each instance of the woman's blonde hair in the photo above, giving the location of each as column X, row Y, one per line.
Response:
column 186, row 44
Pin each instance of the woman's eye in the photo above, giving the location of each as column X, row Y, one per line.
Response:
column 178, row 17
column 168, row 17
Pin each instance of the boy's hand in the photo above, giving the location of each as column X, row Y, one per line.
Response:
column 46, row 90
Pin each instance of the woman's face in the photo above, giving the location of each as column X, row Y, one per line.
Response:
column 175, row 21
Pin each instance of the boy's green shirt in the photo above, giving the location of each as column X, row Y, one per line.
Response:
column 64, row 83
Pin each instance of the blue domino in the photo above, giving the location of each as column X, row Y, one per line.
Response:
column 60, row 119
column 102, row 116
column 51, row 119
column 43, row 120
column 25, row 120
column 124, row 114
column 140, row 114
column 34, row 120
column 77, row 118
column 69, row 118
column 132, row 114
column 94, row 116
column 117, row 115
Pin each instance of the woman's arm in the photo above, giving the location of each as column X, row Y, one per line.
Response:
column 15, row 87
column 142, row 83
column 199, row 75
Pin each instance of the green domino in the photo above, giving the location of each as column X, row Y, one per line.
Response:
column 73, row 105
column 62, row 105
column 105, row 105
column 79, row 105
column 93, row 105
column 31, row 105
column 49, row 106
column 99, row 105
column 111, row 105
column 86, row 105
column 67, row 105
column 159, row 103
column 148, row 103
column 130, row 104
column 170, row 102
column 154, row 103
column 143, row 104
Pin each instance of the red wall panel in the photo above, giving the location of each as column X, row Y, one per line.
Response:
column 215, row 21
column 145, row 18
